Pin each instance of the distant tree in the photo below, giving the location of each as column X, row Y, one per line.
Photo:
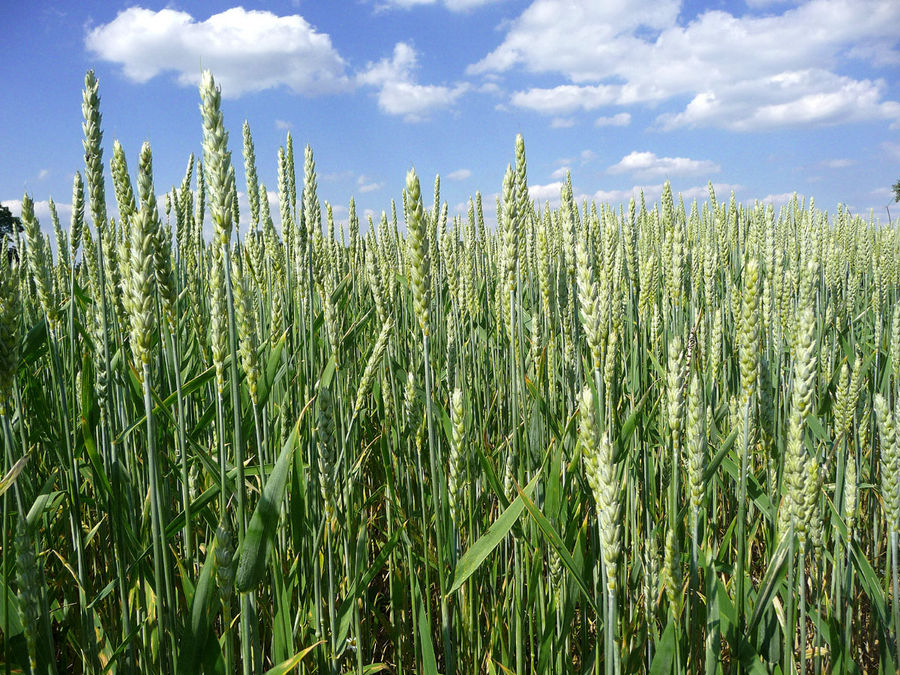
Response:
column 7, row 222
column 896, row 188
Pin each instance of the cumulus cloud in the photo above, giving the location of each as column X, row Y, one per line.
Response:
column 459, row 175
column 398, row 92
column 579, row 39
column 792, row 99
column 247, row 50
column 562, row 123
column 545, row 193
column 741, row 72
column 283, row 125
column 647, row 164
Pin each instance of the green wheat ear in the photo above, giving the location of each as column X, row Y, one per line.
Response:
column 10, row 310
column 420, row 273
column 217, row 160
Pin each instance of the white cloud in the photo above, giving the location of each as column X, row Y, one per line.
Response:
column 543, row 193
column 744, row 73
column 577, row 38
column 43, row 173
column 617, row 120
column 647, row 164
column 837, row 163
column 566, row 98
column 489, row 88
column 791, row 99
column 399, row 94
column 365, row 184
column 778, row 199
column 879, row 52
column 587, row 156
column 459, row 175
column 281, row 124
column 247, row 51
column 560, row 173
column 883, row 192
column 562, row 123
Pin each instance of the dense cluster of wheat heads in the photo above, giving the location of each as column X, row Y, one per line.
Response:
column 592, row 439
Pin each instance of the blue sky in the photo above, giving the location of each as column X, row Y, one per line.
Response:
column 763, row 97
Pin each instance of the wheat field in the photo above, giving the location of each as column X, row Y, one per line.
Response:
column 592, row 439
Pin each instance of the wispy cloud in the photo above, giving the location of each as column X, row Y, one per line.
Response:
column 366, row 184
column 459, row 175
column 837, row 163
column 617, row 120
column 452, row 5
column 883, row 193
